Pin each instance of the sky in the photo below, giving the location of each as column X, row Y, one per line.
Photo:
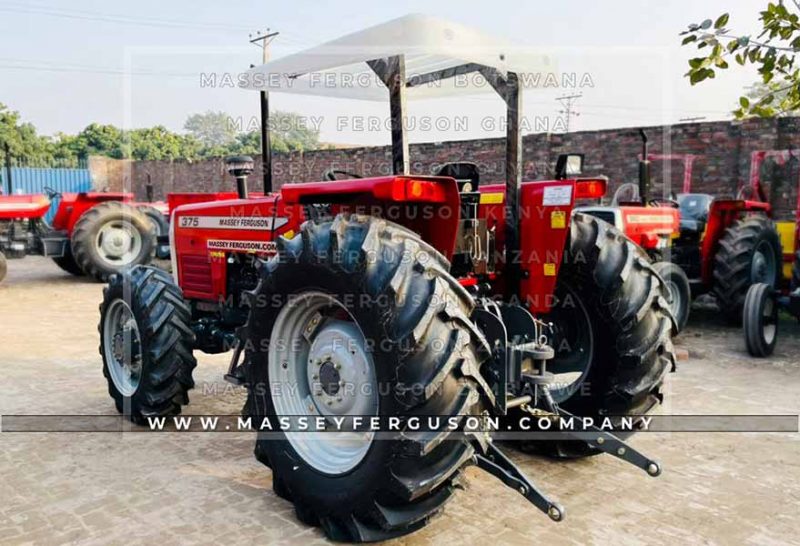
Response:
column 63, row 64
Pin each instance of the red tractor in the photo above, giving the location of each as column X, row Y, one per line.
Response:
column 703, row 244
column 398, row 297
column 95, row 234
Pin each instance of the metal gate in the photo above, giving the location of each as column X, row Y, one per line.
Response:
column 33, row 180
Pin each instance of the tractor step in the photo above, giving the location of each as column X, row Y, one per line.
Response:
column 496, row 463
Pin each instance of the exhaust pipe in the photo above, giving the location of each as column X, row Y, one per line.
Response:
column 240, row 167
column 644, row 171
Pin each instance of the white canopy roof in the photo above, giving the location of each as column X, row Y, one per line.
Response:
column 338, row 68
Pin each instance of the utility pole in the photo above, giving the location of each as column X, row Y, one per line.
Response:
column 266, row 151
column 566, row 103
column 9, row 183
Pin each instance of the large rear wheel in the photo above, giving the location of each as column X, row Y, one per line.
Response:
column 357, row 316
column 612, row 329
column 749, row 253
column 110, row 237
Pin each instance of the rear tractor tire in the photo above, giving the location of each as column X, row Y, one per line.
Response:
column 111, row 237
column 358, row 316
column 146, row 344
column 161, row 227
column 613, row 330
column 760, row 320
column 749, row 253
column 679, row 289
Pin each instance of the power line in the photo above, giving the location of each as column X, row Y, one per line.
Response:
column 567, row 102
column 114, row 18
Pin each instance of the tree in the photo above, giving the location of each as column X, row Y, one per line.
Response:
column 773, row 51
column 21, row 138
column 211, row 129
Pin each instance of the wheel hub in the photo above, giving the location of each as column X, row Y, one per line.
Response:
column 118, row 242
column 329, row 378
column 762, row 268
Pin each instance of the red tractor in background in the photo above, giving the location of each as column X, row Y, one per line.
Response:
column 94, row 233
column 703, row 244
column 397, row 296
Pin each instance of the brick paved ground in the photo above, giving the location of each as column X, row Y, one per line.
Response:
column 99, row 488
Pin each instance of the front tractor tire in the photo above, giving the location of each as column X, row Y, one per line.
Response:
column 111, row 237
column 760, row 320
column 358, row 316
column 146, row 344
column 613, row 329
column 749, row 253
column 67, row 263
column 679, row 290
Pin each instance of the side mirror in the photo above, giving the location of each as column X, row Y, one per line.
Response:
column 569, row 166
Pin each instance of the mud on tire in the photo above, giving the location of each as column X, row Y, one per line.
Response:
column 163, row 342
column 89, row 256
column 733, row 262
column 398, row 291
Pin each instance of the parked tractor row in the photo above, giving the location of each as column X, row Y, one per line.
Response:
column 702, row 244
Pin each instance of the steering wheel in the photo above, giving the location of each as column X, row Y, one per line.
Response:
column 337, row 174
column 626, row 193
column 660, row 202
column 746, row 193
column 51, row 193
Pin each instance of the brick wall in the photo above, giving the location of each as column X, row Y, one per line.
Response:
column 718, row 153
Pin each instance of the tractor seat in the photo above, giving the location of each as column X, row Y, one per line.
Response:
column 694, row 209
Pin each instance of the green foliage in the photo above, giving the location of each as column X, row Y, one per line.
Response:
column 211, row 129
column 773, row 51
column 209, row 135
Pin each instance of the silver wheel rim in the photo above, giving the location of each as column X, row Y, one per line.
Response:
column 675, row 298
column 319, row 366
column 762, row 268
column 118, row 242
column 122, row 347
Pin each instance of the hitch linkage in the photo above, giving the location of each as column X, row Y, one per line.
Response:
column 495, row 462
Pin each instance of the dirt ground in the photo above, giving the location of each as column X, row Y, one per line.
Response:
column 171, row 488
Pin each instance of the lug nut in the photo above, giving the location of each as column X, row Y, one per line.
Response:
column 601, row 440
column 621, row 451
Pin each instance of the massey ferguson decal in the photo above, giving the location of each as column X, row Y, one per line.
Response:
column 257, row 223
column 268, row 247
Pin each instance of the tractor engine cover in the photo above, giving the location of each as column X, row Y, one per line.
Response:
column 207, row 236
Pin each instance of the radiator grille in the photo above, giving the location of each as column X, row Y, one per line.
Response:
column 196, row 273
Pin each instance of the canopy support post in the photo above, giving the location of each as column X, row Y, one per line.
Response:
column 392, row 72
column 508, row 88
